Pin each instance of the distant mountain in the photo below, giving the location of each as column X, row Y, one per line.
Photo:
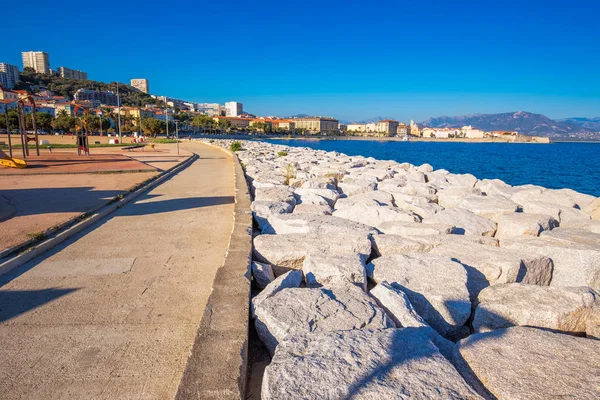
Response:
column 299, row 116
column 372, row 119
column 525, row 123
column 592, row 124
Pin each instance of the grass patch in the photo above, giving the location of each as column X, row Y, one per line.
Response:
column 235, row 146
column 282, row 154
column 36, row 236
column 115, row 199
column 243, row 166
column 84, row 216
column 290, row 173
column 163, row 140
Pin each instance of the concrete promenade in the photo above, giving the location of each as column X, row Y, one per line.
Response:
column 113, row 312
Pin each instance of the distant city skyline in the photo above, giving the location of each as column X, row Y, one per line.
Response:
column 424, row 59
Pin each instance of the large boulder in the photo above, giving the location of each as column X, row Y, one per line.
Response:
column 312, row 310
column 488, row 265
column 490, row 207
column 362, row 364
column 290, row 279
column 327, row 270
column 262, row 274
column 289, row 251
column 398, row 307
column 375, row 215
column 388, row 244
column 372, row 198
column 414, row 228
column 593, row 209
column 435, row 285
column 565, row 309
column 277, row 193
column 574, row 235
column 451, row 197
column 351, row 187
column 315, row 209
column 317, row 224
column 517, row 224
column 263, row 210
column 575, row 264
column 465, row 221
column 530, row 363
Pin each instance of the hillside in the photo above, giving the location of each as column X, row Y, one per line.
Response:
column 592, row 124
column 525, row 123
column 35, row 82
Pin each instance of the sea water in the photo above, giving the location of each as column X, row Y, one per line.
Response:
column 557, row 165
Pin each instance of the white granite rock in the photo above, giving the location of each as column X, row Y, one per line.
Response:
column 529, row 363
column 575, row 264
column 351, row 187
column 452, row 196
column 289, row 251
column 317, row 224
column 262, row 274
column 376, row 215
column 277, row 193
column 465, row 221
column 593, row 209
column 362, row 364
column 414, row 229
column 565, row 309
column 314, row 209
column 327, row 270
column 263, row 210
column 517, row 224
column 371, row 198
column 491, row 207
column 435, row 285
column 291, row 279
column 398, row 307
column 312, row 310
column 488, row 265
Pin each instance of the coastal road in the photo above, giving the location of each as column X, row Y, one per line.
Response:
column 112, row 313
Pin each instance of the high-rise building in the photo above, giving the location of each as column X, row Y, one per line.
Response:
column 140, row 84
column 234, row 109
column 38, row 60
column 69, row 73
column 9, row 75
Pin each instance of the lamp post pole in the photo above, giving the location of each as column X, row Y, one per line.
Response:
column 177, row 135
column 119, row 114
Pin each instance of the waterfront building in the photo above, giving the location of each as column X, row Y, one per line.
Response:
column 371, row 127
column 69, row 73
column 470, row 132
column 357, row 128
column 38, row 60
column 414, row 129
column 317, row 124
column 9, row 75
column 402, row 129
column 97, row 98
column 234, row 109
column 236, row 122
column 140, row 84
column 387, row 127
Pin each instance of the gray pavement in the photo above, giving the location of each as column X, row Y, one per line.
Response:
column 112, row 313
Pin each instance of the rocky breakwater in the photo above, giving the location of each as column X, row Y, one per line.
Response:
column 385, row 280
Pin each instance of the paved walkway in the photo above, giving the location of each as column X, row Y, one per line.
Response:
column 112, row 313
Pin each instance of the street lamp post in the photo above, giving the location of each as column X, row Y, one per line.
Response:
column 119, row 115
column 167, row 117
column 177, row 135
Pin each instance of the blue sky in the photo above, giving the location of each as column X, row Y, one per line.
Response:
column 348, row 59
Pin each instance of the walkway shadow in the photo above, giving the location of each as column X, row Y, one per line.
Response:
column 16, row 302
column 162, row 206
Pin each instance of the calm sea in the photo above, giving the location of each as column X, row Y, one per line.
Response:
column 557, row 165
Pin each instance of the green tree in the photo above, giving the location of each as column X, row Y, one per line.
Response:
column 64, row 122
column 43, row 121
column 13, row 119
column 153, row 126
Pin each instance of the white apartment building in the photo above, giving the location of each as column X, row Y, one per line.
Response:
column 233, row 109
column 9, row 75
column 140, row 84
column 69, row 73
column 387, row 127
column 472, row 133
column 356, row 128
column 38, row 60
